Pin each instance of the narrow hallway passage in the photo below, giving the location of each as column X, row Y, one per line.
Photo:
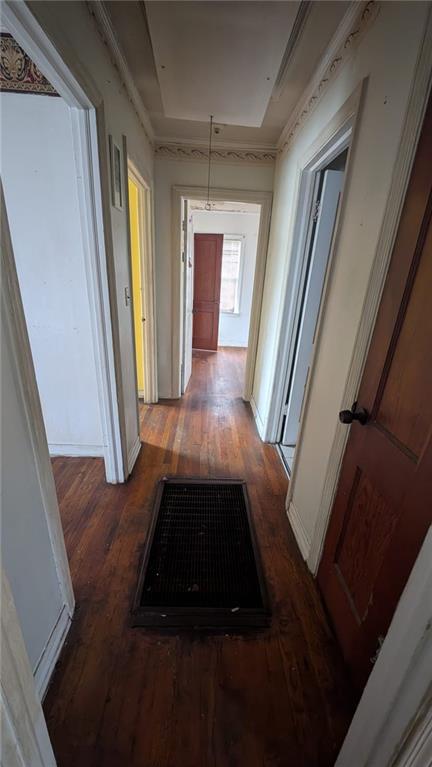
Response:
column 123, row 696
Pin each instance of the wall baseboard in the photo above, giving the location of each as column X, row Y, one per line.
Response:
column 301, row 535
column 259, row 422
column 48, row 659
column 72, row 451
column 133, row 454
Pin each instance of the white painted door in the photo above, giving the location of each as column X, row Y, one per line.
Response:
column 319, row 254
column 188, row 295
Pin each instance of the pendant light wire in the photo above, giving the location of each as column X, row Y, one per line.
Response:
column 208, row 206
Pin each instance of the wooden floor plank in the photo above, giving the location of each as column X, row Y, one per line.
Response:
column 124, row 696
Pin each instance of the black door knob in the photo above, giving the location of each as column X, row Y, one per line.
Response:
column 355, row 414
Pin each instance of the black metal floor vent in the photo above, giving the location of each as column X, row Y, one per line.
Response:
column 201, row 564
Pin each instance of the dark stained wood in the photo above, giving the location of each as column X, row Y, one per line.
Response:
column 383, row 505
column 127, row 697
column 207, row 287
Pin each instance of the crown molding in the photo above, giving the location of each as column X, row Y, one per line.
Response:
column 107, row 33
column 217, row 143
column 357, row 20
column 194, row 152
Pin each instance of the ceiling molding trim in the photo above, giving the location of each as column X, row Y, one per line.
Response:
column 195, row 153
column 356, row 22
column 199, row 143
column 107, row 33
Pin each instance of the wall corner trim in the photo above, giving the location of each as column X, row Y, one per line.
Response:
column 47, row 661
column 261, row 427
column 107, row 33
column 299, row 530
column 133, row 454
column 357, row 20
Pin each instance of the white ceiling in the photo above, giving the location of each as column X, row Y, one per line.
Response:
column 219, row 58
column 131, row 23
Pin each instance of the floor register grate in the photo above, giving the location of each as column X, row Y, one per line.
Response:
column 201, row 566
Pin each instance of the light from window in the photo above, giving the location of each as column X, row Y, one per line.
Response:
column 230, row 281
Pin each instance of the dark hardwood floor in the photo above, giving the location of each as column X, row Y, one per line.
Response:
column 125, row 697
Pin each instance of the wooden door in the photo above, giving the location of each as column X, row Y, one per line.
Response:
column 383, row 504
column 207, row 285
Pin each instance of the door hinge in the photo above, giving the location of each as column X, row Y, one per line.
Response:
column 184, row 225
column 183, row 256
column 285, row 409
column 316, row 211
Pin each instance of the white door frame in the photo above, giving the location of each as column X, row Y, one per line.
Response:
column 180, row 193
column 334, row 146
column 145, row 221
column 25, row 739
column 29, row 34
column 322, row 222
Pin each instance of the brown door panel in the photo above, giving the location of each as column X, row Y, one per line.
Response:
column 207, row 285
column 383, row 503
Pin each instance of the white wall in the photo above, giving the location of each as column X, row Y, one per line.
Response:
column 72, row 29
column 169, row 173
column 386, row 56
column 234, row 328
column 39, row 179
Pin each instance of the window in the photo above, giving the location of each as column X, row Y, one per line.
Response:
column 231, row 273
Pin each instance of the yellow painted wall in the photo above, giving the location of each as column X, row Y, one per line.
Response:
column 136, row 282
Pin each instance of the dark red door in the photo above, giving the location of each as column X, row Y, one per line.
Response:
column 383, row 504
column 207, row 285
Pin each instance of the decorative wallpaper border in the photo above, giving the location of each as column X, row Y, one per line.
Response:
column 18, row 73
column 363, row 21
column 180, row 151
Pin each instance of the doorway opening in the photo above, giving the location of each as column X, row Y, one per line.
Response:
column 220, row 252
column 319, row 226
column 42, row 204
column 142, row 273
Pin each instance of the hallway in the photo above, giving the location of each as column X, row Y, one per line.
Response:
column 122, row 696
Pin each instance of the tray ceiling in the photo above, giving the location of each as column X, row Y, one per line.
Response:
column 217, row 56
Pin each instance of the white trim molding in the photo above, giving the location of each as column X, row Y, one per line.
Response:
column 88, row 146
column 72, row 451
column 298, row 529
column 133, row 454
column 258, row 421
column 14, row 326
column 21, row 23
column 25, row 741
column 85, row 136
column 146, row 235
column 200, row 153
column 416, row 750
column 46, row 663
column 99, row 13
column 387, row 726
column 357, row 21
column 180, row 193
column 335, row 137
column 405, row 157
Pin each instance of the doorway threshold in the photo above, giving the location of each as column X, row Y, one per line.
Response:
column 286, row 453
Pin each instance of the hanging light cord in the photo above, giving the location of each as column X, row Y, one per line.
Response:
column 208, row 206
